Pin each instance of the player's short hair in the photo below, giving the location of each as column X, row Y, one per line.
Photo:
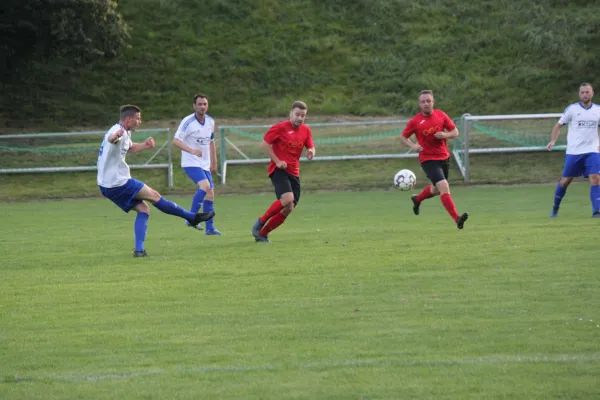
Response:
column 422, row 92
column 299, row 104
column 129, row 110
column 584, row 84
column 199, row 96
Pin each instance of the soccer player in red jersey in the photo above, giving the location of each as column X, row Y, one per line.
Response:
column 284, row 143
column 432, row 128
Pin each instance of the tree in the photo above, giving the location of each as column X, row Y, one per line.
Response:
column 81, row 30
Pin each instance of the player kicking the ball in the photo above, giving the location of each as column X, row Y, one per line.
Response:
column 116, row 184
column 284, row 143
column 432, row 128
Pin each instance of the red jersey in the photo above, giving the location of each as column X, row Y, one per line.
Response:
column 424, row 127
column 288, row 143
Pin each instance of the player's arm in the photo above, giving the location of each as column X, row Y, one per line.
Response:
column 179, row 143
column 449, row 131
column 115, row 136
column 213, row 154
column 310, row 146
column 148, row 144
column 405, row 138
column 554, row 138
column 447, row 135
column 268, row 148
column 410, row 144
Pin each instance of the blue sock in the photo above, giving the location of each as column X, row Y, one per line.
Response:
column 197, row 201
column 595, row 197
column 140, row 226
column 208, row 207
column 558, row 195
column 168, row 207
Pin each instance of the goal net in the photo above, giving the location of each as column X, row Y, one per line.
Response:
column 507, row 148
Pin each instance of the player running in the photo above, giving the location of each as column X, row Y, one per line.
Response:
column 284, row 143
column 432, row 128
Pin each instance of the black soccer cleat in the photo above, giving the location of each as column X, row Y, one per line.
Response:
column 256, row 228
column 202, row 217
column 140, row 253
column 461, row 220
column 416, row 204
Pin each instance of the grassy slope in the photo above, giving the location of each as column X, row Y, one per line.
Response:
column 343, row 57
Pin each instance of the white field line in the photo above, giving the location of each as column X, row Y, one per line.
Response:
column 493, row 360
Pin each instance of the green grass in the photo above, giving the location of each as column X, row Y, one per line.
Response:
column 354, row 298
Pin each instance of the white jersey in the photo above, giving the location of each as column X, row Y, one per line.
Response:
column 197, row 136
column 113, row 171
column 582, row 136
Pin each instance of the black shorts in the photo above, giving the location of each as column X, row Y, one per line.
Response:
column 285, row 182
column 436, row 170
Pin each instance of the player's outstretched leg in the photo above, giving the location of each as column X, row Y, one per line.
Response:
column 168, row 207
column 140, row 227
column 273, row 223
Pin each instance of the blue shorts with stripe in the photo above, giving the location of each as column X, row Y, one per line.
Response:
column 581, row 164
column 198, row 174
column 124, row 196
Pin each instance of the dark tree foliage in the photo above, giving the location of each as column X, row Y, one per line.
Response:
column 81, row 30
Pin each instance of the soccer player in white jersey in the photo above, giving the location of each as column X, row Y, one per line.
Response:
column 583, row 146
column 196, row 139
column 115, row 182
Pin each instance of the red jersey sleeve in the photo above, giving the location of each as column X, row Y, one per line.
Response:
column 448, row 123
column 409, row 130
column 272, row 134
column 309, row 144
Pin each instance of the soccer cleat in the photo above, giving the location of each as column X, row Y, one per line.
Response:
column 213, row 232
column 554, row 212
column 202, row 217
column 140, row 253
column 263, row 239
column 256, row 228
column 416, row 205
column 461, row 220
column 596, row 214
column 199, row 227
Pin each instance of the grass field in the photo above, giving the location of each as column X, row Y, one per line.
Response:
column 355, row 298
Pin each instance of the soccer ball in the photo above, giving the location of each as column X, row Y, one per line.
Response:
column 405, row 179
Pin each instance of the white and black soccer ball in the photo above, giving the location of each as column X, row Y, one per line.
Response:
column 405, row 179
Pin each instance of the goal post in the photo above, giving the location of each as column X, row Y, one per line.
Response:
column 512, row 133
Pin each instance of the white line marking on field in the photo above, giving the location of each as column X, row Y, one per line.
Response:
column 501, row 359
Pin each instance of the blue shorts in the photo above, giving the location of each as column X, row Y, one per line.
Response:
column 198, row 174
column 581, row 164
column 124, row 196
